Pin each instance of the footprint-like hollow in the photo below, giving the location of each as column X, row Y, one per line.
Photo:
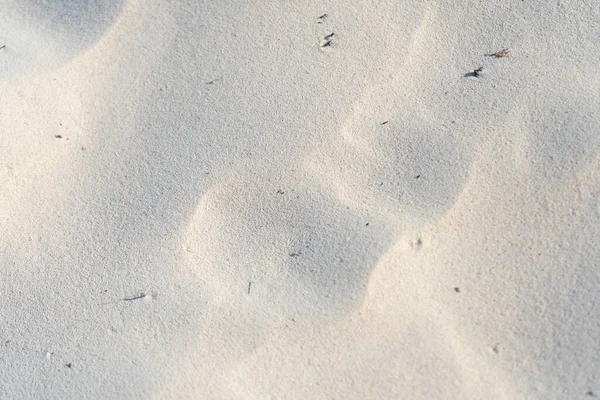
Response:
column 298, row 251
column 43, row 35
column 394, row 173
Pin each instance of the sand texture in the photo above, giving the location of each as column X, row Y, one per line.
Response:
column 300, row 200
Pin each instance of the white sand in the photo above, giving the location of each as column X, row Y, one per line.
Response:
column 215, row 158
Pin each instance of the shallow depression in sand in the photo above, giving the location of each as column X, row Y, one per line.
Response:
column 44, row 35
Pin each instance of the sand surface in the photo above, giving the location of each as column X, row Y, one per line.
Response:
column 201, row 199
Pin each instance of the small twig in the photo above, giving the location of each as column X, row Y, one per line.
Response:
column 140, row 296
column 2, row 47
column 249, row 287
column 321, row 18
column 327, row 40
column 500, row 53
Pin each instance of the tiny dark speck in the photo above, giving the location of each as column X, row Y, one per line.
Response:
column 70, row 365
column 58, row 136
column 367, row 224
column 418, row 176
column 457, row 289
column 384, row 122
